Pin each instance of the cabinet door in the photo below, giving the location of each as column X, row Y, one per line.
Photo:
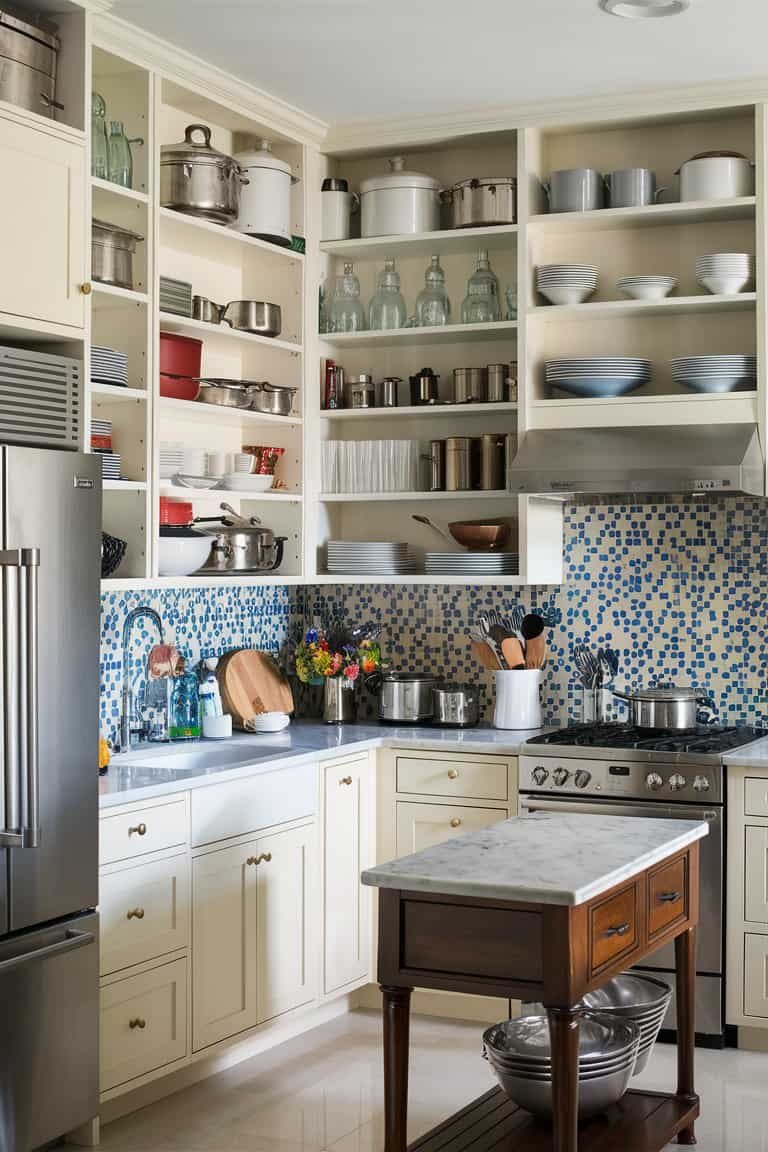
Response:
column 42, row 208
column 347, row 901
column 756, row 875
column 422, row 825
column 224, row 948
column 286, row 864
column 755, row 975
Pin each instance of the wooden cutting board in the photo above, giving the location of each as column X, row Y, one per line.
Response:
column 250, row 683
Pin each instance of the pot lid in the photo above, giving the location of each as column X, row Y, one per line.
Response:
column 484, row 181
column 36, row 28
column 664, row 694
column 192, row 151
column 263, row 157
column 409, row 678
column 398, row 177
column 332, row 184
column 116, row 231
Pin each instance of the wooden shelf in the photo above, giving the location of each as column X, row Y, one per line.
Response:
column 419, row 410
column 670, row 305
column 389, row 497
column 124, row 486
column 186, row 326
column 112, row 291
column 217, row 414
column 115, row 392
column 685, row 212
column 445, row 334
column 169, row 217
column 99, row 185
column 195, row 494
column 453, row 240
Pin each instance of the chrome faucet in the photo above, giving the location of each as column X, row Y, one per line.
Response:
column 127, row 728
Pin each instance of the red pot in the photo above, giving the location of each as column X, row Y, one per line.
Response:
column 182, row 356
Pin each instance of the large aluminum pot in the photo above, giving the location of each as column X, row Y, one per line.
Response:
column 399, row 202
column 265, row 203
column 406, row 697
column 112, row 249
column 241, row 545
column 198, row 179
column 716, row 176
column 273, row 399
column 28, row 52
column 483, row 202
column 667, row 707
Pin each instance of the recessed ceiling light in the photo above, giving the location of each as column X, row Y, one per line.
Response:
column 643, row 9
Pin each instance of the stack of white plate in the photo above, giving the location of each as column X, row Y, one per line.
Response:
column 108, row 366
column 646, row 287
column 598, row 376
column 369, row 557
column 716, row 373
column 171, row 459
column 566, row 283
column 724, row 273
column 110, row 465
column 471, row 564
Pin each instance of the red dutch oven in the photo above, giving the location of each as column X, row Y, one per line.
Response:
column 180, row 364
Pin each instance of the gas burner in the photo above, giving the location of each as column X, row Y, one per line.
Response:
column 704, row 739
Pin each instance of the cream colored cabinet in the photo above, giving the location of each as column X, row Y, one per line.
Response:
column 746, row 972
column 756, row 874
column 347, row 851
column 144, row 912
column 143, row 1023
column 42, row 207
column 285, row 921
column 422, row 825
column 756, row 975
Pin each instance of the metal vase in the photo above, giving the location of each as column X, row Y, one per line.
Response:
column 339, row 704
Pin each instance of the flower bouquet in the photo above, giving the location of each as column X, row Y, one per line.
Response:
column 337, row 659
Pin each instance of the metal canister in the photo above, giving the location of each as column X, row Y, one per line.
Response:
column 497, row 389
column 458, row 469
column 468, row 385
column 361, row 390
column 492, row 456
column 388, row 392
column 437, row 465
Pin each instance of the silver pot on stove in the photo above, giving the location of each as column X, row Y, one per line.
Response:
column 240, row 544
column 667, row 707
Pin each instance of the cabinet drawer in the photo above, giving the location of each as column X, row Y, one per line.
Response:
column 143, row 1023
column 667, row 896
column 453, row 776
column 422, row 825
column 133, row 834
column 144, row 912
column 756, row 796
column 755, row 975
column 225, row 810
column 613, row 927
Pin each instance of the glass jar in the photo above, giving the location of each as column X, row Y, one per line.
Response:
column 120, row 158
column 481, row 304
column 185, row 708
column 433, row 307
column 387, row 307
column 99, row 143
column 345, row 311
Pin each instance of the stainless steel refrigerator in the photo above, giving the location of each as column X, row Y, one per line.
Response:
column 50, row 517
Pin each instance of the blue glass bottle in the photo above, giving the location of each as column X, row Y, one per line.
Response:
column 185, row 708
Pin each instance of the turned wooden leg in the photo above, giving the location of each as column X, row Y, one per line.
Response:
column 564, row 1036
column 685, row 966
column 397, row 1011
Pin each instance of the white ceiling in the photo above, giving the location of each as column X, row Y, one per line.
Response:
column 353, row 59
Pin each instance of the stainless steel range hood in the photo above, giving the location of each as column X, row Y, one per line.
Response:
column 614, row 461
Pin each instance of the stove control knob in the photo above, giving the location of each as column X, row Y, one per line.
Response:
column 560, row 776
column 582, row 778
column 676, row 782
column 653, row 781
column 540, row 775
column 701, row 784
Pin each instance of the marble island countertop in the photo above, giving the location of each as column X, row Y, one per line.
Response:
column 543, row 858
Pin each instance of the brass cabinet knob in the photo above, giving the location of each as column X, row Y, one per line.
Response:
column 345, row 780
column 135, row 914
column 455, row 822
column 85, row 288
column 137, row 1022
column 453, row 773
column 140, row 829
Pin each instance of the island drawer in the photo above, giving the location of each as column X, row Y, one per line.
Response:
column 613, row 927
column 667, row 895
column 136, row 833
column 144, row 912
column 481, row 778
column 143, row 1023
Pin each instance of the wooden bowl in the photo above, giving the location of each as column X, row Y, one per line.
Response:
column 480, row 535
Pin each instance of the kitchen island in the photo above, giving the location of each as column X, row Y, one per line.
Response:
column 542, row 908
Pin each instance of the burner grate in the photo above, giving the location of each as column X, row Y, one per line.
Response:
column 703, row 739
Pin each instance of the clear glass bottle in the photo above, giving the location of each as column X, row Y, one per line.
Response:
column 432, row 304
column 345, row 311
column 120, row 158
column 99, row 144
column 481, row 304
column 387, row 307
column 185, row 707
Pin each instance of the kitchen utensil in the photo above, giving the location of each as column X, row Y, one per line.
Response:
column 497, row 383
column 265, row 200
column 205, row 309
column 258, row 316
column 424, row 387
column 518, row 705
column 575, row 190
column 337, row 207
column 456, row 705
column 29, row 54
column 532, row 629
column 482, row 202
column 481, row 305
column 483, row 654
column 492, row 461
column 388, row 391
column 361, row 391
column 468, row 385
column 484, row 625
column 399, row 202
column 251, row 683
column 199, row 180
column 716, row 176
column 642, row 999
column 112, row 552
column 436, row 465
column 386, row 309
column 480, row 535
column 458, row 469
column 512, row 651
column 632, row 188
column 175, row 513
column 647, row 287
column 406, row 697
column 181, row 551
column 112, row 250
column 431, row 524
column 339, row 703
column 433, row 305
column 597, row 376
column 667, row 707
column 274, row 399
column 715, row 373
column 180, row 358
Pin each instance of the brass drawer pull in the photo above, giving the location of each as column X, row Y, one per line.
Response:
column 669, row 897
column 263, row 858
column 455, row 822
column 618, row 930
column 135, row 914
column 453, row 773
column 141, row 829
column 345, row 780
column 137, row 1022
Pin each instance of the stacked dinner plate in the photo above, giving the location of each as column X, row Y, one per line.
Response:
column 520, row 1054
column 110, row 465
column 108, row 366
column 566, row 283
column 171, row 459
column 471, row 564
column 369, row 557
column 598, row 376
column 175, row 296
column 716, row 373
column 641, row 999
column 724, row 273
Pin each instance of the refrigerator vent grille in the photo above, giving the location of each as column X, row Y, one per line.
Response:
column 40, row 399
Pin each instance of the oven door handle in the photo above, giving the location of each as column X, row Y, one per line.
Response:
column 529, row 804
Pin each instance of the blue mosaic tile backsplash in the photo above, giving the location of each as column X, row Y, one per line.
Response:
column 680, row 590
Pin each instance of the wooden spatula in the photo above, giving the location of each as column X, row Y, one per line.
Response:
column 484, row 656
column 512, row 651
column 535, row 644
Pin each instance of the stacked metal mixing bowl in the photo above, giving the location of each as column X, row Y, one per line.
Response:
column 641, row 999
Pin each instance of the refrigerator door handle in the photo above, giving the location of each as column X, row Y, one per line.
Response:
column 19, row 671
column 71, row 939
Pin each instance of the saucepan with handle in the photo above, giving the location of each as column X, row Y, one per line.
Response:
column 667, row 707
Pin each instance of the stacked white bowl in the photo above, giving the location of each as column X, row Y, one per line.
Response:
column 647, row 287
column 730, row 373
column 566, row 283
column 724, row 273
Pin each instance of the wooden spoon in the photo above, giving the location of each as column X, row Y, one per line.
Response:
column 484, row 656
column 535, row 644
column 512, row 651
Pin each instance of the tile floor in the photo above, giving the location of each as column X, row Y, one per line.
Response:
column 322, row 1093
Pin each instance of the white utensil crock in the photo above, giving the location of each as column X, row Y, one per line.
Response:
column 517, row 699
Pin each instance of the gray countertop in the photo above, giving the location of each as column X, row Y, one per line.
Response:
column 544, row 858
column 157, row 770
column 750, row 756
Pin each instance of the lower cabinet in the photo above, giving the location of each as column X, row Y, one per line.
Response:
column 348, row 851
column 422, row 825
column 251, row 933
column 756, row 975
column 143, row 1023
